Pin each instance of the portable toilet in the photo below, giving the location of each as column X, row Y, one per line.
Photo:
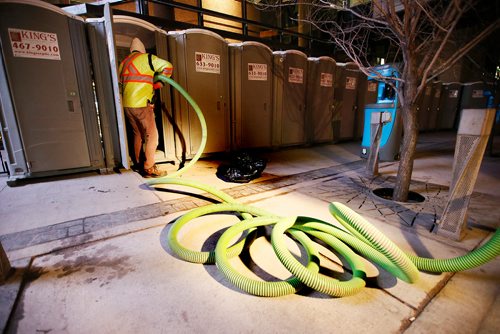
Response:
column 386, row 108
column 50, row 123
column 155, row 40
column 347, row 78
column 320, row 101
column 474, row 96
column 448, row 105
column 200, row 60
column 289, row 89
column 251, row 73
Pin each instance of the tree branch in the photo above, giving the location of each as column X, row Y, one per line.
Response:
column 429, row 16
column 437, row 53
column 465, row 49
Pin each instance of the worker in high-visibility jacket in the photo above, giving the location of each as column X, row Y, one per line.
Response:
column 137, row 87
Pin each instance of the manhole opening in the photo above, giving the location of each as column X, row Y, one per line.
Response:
column 386, row 193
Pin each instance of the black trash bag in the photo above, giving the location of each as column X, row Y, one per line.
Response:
column 242, row 168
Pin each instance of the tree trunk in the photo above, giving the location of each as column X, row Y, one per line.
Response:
column 407, row 152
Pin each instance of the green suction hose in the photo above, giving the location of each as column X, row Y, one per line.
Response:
column 203, row 124
column 255, row 287
column 407, row 262
column 312, row 224
column 314, row 280
column 476, row 258
column 360, row 238
column 367, row 233
column 208, row 257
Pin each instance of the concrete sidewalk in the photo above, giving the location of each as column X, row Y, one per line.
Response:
column 91, row 254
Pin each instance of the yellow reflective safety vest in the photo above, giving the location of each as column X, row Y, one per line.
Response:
column 136, row 78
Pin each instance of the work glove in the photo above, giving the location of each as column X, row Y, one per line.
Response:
column 157, row 85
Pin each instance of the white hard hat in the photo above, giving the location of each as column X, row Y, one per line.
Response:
column 137, row 45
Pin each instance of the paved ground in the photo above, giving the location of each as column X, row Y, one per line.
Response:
column 91, row 254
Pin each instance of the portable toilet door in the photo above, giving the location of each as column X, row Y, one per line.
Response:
column 200, row 59
column 367, row 94
column 101, row 45
column 448, row 105
column 337, row 101
column 155, row 40
column 423, row 107
column 251, row 65
column 47, row 100
column 290, row 74
column 434, row 108
column 320, row 102
column 345, row 100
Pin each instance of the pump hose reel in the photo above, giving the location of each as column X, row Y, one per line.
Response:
column 360, row 238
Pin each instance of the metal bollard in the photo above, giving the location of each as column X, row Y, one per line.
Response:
column 472, row 138
column 378, row 120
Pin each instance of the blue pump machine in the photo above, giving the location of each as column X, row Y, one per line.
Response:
column 384, row 110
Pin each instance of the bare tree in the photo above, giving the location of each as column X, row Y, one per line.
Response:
column 422, row 37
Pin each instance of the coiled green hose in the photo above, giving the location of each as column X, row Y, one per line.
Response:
column 255, row 287
column 208, row 257
column 314, row 280
column 361, row 236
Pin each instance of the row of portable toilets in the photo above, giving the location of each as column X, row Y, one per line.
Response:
column 440, row 103
column 62, row 110
column 253, row 97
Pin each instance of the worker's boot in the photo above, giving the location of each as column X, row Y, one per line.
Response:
column 154, row 172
